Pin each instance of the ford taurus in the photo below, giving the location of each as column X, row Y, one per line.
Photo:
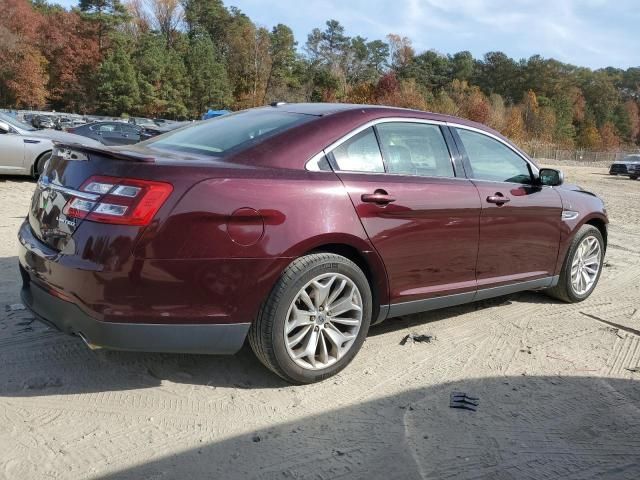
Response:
column 297, row 227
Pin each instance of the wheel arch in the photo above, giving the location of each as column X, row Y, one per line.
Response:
column 36, row 162
column 367, row 259
column 601, row 225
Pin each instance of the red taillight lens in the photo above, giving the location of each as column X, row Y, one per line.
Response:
column 123, row 201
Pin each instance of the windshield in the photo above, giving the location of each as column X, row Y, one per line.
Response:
column 15, row 122
column 216, row 136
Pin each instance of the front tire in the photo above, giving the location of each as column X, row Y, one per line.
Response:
column 315, row 319
column 582, row 266
column 38, row 166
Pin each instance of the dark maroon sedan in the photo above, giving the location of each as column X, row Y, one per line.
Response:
column 297, row 226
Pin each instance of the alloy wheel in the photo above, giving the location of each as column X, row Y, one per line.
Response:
column 323, row 321
column 586, row 265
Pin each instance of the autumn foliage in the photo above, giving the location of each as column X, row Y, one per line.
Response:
column 177, row 58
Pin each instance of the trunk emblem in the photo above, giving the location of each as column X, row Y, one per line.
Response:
column 66, row 221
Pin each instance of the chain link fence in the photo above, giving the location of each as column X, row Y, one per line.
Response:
column 553, row 153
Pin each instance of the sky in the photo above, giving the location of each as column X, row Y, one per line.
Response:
column 591, row 33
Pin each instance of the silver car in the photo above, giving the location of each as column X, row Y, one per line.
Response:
column 24, row 150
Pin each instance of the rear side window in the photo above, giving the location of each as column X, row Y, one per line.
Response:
column 492, row 160
column 360, row 153
column 216, row 136
column 415, row 149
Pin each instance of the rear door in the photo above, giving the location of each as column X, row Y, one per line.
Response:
column 520, row 223
column 420, row 216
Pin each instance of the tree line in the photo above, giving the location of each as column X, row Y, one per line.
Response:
column 177, row 58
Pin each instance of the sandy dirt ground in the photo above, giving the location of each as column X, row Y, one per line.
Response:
column 557, row 395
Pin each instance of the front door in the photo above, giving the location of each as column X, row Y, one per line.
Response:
column 12, row 151
column 521, row 221
column 420, row 217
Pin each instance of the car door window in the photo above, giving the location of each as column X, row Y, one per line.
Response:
column 108, row 127
column 360, row 153
column 415, row 149
column 129, row 130
column 492, row 160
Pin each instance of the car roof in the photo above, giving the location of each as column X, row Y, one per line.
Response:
column 332, row 122
column 325, row 109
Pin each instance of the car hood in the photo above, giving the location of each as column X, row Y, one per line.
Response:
column 59, row 136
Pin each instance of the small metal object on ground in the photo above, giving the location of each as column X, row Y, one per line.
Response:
column 464, row 401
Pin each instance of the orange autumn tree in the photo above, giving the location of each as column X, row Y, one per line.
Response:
column 23, row 68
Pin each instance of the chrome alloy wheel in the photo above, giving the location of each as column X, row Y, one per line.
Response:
column 586, row 265
column 323, row 321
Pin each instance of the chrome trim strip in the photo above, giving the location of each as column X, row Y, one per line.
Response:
column 418, row 306
column 45, row 183
column 378, row 121
column 492, row 292
column 570, row 215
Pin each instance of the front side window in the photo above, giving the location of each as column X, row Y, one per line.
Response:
column 360, row 153
column 492, row 160
column 415, row 149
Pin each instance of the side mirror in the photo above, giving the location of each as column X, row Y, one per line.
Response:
column 551, row 177
column 4, row 127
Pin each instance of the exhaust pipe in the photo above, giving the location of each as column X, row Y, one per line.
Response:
column 91, row 346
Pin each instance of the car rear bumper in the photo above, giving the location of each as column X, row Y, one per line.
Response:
column 156, row 305
column 142, row 337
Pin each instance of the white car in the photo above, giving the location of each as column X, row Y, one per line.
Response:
column 24, row 150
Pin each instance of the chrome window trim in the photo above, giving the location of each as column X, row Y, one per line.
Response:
column 45, row 183
column 372, row 123
column 309, row 165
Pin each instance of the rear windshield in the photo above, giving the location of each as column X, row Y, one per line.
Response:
column 216, row 136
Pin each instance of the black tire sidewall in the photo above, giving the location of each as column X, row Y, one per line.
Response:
column 336, row 265
column 38, row 168
column 585, row 231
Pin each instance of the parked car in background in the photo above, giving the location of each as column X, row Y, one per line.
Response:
column 621, row 167
column 634, row 170
column 43, row 121
column 168, row 126
column 142, row 122
column 297, row 226
column 24, row 150
column 63, row 123
column 110, row 133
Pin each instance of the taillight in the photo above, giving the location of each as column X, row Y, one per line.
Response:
column 123, row 201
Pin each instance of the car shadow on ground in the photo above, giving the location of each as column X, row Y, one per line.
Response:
column 41, row 361
column 524, row 427
column 17, row 178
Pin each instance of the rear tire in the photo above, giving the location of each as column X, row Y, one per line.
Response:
column 633, row 177
column 300, row 305
column 568, row 288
